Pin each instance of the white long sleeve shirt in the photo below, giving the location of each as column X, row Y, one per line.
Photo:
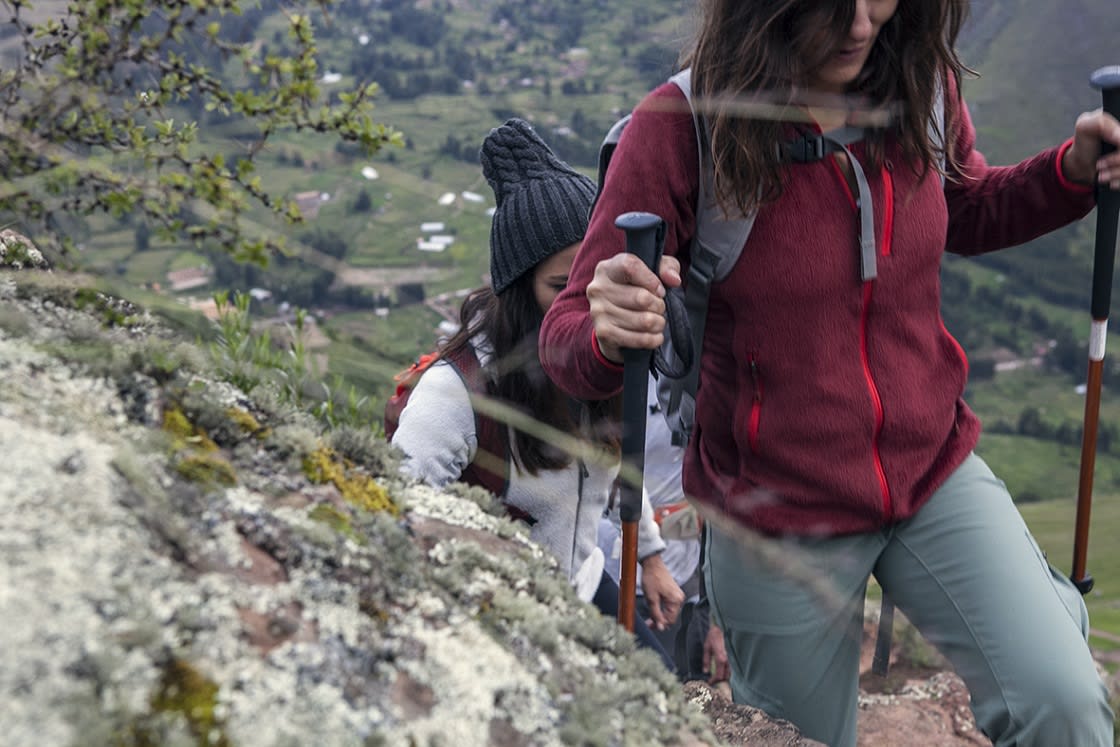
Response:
column 437, row 434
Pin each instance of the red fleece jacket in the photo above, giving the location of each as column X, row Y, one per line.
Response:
column 827, row 405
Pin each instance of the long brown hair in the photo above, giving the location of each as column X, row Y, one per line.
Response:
column 765, row 50
column 511, row 323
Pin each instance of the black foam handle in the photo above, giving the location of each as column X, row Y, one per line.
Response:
column 645, row 236
column 1107, row 79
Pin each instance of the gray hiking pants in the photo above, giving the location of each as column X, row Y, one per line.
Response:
column 965, row 571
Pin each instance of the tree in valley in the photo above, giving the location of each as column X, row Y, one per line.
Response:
column 95, row 105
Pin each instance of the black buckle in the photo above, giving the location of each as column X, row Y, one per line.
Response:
column 807, row 149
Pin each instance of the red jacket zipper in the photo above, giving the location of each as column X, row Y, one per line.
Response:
column 876, row 402
column 872, row 389
column 756, row 406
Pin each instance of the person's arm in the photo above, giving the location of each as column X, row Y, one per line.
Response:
column 437, row 428
column 1082, row 161
column 714, row 652
column 715, row 655
column 992, row 207
column 663, row 595
column 612, row 300
column 649, row 534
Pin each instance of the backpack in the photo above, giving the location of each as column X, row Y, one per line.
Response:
column 719, row 239
column 490, row 467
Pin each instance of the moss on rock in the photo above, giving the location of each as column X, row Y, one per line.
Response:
column 185, row 434
column 324, row 465
column 206, row 469
column 182, row 692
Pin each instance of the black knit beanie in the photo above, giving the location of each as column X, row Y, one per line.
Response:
column 543, row 203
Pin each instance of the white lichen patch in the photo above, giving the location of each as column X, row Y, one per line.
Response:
column 39, row 390
column 935, row 688
column 17, row 252
column 483, row 583
column 69, row 580
column 427, row 605
column 270, row 703
column 475, row 681
column 434, row 504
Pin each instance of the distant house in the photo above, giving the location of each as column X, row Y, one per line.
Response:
column 308, row 203
column 191, row 277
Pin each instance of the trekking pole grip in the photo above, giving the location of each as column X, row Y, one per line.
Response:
column 645, row 236
column 1107, row 79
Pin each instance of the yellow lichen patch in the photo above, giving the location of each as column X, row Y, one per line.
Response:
column 247, row 423
column 333, row 517
column 324, row 465
column 184, row 433
column 183, row 689
column 208, row 469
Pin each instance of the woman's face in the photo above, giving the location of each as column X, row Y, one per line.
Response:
column 551, row 276
column 844, row 65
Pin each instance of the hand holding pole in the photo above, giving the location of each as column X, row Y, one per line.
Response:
column 645, row 235
column 1107, row 79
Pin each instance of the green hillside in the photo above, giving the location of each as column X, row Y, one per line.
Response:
column 452, row 69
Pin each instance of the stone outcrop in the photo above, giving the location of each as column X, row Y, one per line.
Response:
column 185, row 563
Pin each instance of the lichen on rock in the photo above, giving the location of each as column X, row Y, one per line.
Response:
column 291, row 607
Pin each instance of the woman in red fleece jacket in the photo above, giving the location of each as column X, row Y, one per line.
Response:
column 829, row 414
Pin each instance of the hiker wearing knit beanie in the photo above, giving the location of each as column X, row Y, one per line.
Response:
column 542, row 214
column 543, row 203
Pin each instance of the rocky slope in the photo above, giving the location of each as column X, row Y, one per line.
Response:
column 186, row 564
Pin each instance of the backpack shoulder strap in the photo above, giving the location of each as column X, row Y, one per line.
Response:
column 490, row 467
column 717, row 242
column 938, row 134
column 716, row 234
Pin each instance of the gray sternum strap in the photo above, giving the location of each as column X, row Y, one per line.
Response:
column 867, row 255
column 814, row 148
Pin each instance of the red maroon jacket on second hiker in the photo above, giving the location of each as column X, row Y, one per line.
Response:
column 827, row 404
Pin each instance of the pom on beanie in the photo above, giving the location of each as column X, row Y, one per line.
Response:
column 543, row 203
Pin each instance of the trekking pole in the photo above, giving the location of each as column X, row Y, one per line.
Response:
column 1107, row 79
column 645, row 235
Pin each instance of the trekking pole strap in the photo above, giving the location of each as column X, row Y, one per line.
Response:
column 702, row 267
